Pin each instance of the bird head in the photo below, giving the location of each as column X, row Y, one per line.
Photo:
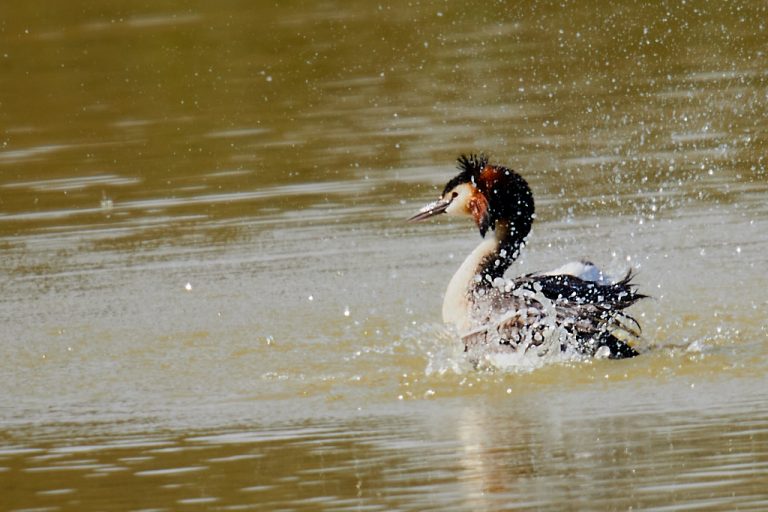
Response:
column 489, row 194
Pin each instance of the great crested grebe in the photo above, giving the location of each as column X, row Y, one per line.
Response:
column 575, row 305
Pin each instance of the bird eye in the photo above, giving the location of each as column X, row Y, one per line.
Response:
column 454, row 195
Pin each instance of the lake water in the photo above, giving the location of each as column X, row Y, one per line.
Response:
column 210, row 298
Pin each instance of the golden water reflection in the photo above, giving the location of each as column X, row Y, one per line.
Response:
column 515, row 452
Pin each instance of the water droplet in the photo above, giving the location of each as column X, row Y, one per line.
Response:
column 106, row 203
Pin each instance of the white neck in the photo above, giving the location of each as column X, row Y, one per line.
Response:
column 456, row 308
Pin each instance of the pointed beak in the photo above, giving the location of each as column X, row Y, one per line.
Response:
column 431, row 210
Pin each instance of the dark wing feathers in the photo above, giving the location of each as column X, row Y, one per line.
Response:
column 568, row 288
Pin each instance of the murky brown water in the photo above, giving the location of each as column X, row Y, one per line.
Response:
column 209, row 298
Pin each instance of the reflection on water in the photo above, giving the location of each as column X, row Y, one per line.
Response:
column 209, row 298
column 547, row 454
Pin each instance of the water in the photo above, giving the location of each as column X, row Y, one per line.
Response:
column 210, row 298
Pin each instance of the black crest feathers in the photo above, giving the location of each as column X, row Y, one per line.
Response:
column 470, row 167
column 472, row 163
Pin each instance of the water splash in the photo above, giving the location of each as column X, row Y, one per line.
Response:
column 444, row 353
column 440, row 346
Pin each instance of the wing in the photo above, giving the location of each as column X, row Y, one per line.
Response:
column 594, row 311
column 591, row 313
column 573, row 290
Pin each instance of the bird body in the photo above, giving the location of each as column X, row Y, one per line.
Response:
column 575, row 307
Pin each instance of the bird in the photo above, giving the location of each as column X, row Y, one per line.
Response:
column 575, row 308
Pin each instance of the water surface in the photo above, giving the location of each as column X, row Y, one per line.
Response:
column 210, row 298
